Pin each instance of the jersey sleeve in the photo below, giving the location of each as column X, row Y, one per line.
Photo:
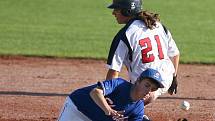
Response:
column 138, row 112
column 109, row 86
column 172, row 47
column 119, row 50
column 117, row 56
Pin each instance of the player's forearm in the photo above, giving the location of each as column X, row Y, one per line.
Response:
column 112, row 74
column 98, row 97
column 176, row 63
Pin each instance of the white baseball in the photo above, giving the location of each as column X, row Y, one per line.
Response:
column 185, row 105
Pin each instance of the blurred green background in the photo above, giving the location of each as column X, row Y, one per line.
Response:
column 84, row 28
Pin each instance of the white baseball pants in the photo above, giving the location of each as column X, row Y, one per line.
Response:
column 69, row 112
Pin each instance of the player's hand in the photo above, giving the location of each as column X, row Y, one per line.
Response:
column 121, row 119
column 174, row 86
column 118, row 116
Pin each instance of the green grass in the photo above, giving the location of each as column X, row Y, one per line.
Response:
column 84, row 28
column 192, row 24
column 71, row 28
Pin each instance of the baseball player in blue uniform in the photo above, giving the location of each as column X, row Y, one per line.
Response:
column 142, row 43
column 89, row 103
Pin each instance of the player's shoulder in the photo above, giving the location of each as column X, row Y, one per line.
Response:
column 135, row 25
column 121, row 80
column 117, row 81
column 159, row 25
column 162, row 27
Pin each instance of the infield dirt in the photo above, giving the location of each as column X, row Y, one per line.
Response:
column 34, row 89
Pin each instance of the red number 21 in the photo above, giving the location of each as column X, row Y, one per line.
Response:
column 150, row 58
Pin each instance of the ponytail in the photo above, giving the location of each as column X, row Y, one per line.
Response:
column 149, row 18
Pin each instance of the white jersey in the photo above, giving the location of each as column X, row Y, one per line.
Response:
column 139, row 48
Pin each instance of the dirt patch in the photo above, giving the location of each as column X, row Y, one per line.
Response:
column 34, row 89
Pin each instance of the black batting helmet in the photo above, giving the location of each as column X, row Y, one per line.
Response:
column 128, row 7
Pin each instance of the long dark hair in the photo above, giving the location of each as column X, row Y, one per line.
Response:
column 148, row 18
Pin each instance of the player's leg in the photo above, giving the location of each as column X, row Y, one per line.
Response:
column 70, row 112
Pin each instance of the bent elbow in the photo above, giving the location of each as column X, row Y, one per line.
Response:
column 95, row 91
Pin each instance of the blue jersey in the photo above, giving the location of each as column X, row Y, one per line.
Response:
column 118, row 90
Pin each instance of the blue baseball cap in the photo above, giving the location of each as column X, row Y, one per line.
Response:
column 154, row 75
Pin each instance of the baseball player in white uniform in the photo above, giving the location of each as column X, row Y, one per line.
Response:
column 142, row 43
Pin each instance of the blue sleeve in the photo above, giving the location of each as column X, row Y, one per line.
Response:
column 109, row 86
column 138, row 112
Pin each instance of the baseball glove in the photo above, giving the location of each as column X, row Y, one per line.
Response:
column 174, row 86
